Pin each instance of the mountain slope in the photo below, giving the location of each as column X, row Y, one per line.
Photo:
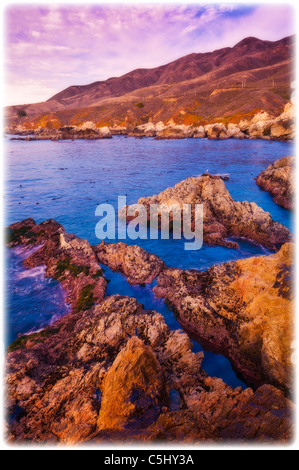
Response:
column 253, row 74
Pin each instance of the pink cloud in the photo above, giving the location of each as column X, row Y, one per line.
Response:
column 49, row 48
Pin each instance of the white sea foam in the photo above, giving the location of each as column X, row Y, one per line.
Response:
column 34, row 272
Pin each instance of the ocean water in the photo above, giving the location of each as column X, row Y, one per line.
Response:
column 66, row 180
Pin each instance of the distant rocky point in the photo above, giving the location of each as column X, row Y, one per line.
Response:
column 261, row 126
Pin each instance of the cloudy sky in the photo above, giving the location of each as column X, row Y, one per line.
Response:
column 48, row 48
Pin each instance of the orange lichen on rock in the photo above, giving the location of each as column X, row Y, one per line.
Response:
column 133, row 389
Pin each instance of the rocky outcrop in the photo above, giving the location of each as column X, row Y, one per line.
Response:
column 87, row 130
column 109, row 373
column 261, row 126
column 134, row 392
column 67, row 258
column 283, row 127
column 109, row 370
column 90, row 372
column 222, row 216
column 139, row 266
column 243, row 309
column 278, row 179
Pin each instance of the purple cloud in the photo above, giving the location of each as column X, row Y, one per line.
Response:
column 49, row 47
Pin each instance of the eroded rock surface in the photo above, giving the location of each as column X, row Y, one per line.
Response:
column 107, row 374
column 243, row 309
column 222, row 216
column 139, row 266
column 67, row 258
column 107, row 371
column 278, row 179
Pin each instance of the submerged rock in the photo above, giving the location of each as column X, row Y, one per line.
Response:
column 278, row 179
column 242, row 309
column 222, row 216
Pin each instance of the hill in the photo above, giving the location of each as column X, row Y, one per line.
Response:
column 227, row 84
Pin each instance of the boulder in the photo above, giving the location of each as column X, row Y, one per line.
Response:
column 278, row 179
column 134, row 391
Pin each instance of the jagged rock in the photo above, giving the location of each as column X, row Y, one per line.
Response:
column 213, row 131
column 199, row 132
column 134, row 392
column 173, row 131
column 223, row 217
column 243, row 309
column 233, row 130
column 224, row 414
column 59, row 378
column 278, row 179
column 67, row 258
column 108, row 372
column 283, row 127
column 139, row 266
column 244, row 126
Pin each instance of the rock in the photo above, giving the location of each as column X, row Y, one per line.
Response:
column 199, row 132
column 67, row 258
column 243, row 309
column 223, row 217
column 61, row 377
column 108, row 371
column 213, row 131
column 283, row 127
column 244, row 126
column 233, row 130
column 173, row 131
column 134, row 392
column 135, row 263
column 226, row 415
column 278, row 179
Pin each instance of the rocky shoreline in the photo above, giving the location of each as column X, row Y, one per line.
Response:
column 111, row 370
column 279, row 180
column 261, row 126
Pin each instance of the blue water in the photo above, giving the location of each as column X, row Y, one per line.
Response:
column 66, row 180
column 27, row 309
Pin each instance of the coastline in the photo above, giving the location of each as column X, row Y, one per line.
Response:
column 261, row 126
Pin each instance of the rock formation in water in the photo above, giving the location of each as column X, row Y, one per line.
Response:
column 67, row 258
column 111, row 370
column 243, row 309
column 222, row 216
column 109, row 373
column 278, row 179
column 139, row 266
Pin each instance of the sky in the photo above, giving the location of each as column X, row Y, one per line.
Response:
column 48, row 48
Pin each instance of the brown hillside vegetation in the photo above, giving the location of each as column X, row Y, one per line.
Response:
column 229, row 84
